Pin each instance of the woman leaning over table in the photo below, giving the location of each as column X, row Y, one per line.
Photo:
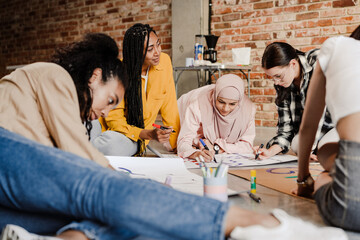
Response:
column 53, row 103
column 50, row 102
column 128, row 128
column 221, row 115
column 291, row 71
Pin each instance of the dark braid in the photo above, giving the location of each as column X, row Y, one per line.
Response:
column 134, row 56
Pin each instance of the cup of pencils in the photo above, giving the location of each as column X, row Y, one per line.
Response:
column 215, row 181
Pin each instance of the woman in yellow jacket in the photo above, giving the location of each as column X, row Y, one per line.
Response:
column 128, row 128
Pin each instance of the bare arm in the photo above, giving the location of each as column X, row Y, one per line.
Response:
column 314, row 108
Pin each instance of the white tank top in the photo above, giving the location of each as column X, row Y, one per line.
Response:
column 339, row 59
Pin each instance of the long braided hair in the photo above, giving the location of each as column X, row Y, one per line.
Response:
column 80, row 59
column 133, row 58
column 279, row 54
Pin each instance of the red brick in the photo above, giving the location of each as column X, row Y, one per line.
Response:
column 215, row 19
column 231, row 17
column 307, row 33
column 263, row 5
column 261, row 36
column 256, row 91
column 294, row 9
column 223, row 11
column 269, row 91
column 343, row 3
column 222, row 25
column 304, row 16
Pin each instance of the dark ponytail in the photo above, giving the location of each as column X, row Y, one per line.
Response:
column 279, row 54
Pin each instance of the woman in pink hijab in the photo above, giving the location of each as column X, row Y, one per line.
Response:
column 221, row 115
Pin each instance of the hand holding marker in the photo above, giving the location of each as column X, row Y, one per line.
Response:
column 206, row 147
column 257, row 152
column 161, row 127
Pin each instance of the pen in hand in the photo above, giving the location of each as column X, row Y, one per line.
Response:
column 206, row 147
column 257, row 152
column 161, row 127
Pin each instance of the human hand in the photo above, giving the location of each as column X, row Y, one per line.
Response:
column 305, row 188
column 160, row 135
column 208, row 144
column 207, row 155
column 263, row 152
column 313, row 158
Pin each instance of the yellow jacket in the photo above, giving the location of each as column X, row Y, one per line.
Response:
column 160, row 97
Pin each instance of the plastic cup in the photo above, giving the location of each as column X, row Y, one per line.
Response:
column 216, row 188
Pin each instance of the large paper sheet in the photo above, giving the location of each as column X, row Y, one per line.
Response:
column 242, row 160
column 158, row 169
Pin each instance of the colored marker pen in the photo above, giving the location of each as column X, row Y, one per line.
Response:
column 254, row 197
column 206, row 147
column 162, row 127
column 257, row 153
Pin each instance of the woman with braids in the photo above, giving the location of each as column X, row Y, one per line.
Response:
column 291, row 71
column 128, row 128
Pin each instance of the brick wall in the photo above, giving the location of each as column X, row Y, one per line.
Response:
column 31, row 29
column 305, row 24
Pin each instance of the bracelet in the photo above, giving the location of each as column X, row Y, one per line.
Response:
column 308, row 181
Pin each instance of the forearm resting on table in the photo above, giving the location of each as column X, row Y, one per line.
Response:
column 274, row 149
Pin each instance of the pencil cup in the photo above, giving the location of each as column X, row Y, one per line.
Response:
column 216, row 188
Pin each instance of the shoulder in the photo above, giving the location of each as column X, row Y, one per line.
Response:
column 312, row 55
column 165, row 61
column 51, row 71
column 48, row 75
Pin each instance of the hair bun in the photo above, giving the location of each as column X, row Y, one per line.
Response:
column 102, row 44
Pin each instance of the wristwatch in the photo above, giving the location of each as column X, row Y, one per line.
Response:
column 216, row 148
column 308, row 181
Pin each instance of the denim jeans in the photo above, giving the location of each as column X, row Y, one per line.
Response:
column 112, row 143
column 339, row 200
column 36, row 179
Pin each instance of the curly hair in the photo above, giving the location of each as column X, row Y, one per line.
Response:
column 279, row 54
column 81, row 58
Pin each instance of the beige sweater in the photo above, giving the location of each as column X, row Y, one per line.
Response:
column 39, row 102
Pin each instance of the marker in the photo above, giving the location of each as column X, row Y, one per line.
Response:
column 254, row 197
column 162, row 127
column 168, row 181
column 206, row 147
column 257, row 153
column 203, row 143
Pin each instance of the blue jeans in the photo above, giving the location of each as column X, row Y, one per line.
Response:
column 339, row 200
column 112, row 143
column 40, row 180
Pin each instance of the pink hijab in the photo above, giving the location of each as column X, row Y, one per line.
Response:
column 232, row 126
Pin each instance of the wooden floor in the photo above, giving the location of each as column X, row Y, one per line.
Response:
column 295, row 206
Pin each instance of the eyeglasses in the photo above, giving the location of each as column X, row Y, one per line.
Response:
column 279, row 77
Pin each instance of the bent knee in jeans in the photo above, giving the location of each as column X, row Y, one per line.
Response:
column 113, row 143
